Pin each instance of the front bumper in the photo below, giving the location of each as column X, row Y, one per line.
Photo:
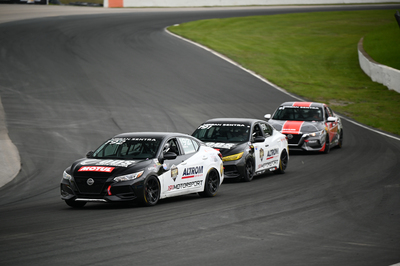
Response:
column 234, row 169
column 303, row 142
column 107, row 192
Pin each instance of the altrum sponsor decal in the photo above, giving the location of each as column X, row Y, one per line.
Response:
column 272, row 153
column 96, row 169
column 185, row 185
column 292, row 127
column 192, row 172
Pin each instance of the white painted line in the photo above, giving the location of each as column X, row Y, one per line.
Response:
column 272, row 84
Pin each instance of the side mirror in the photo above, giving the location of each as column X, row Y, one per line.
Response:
column 267, row 116
column 331, row 119
column 168, row 156
column 259, row 139
column 89, row 154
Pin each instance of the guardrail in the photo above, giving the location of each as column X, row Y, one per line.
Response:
column 385, row 75
column 203, row 3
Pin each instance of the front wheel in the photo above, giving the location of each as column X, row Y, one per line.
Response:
column 283, row 162
column 249, row 171
column 327, row 144
column 151, row 191
column 211, row 184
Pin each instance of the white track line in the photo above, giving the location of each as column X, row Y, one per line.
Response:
column 272, row 84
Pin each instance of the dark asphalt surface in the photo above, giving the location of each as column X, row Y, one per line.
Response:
column 67, row 83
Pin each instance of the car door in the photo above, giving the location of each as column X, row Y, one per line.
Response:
column 271, row 147
column 332, row 126
column 187, row 173
column 267, row 151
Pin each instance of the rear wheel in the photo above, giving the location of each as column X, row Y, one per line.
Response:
column 75, row 204
column 151, row 191
column 283, row 162
column 249, row 171
column 211, row 184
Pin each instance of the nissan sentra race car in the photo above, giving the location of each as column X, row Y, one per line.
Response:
column 145, row 167
column 249, row 146
column 309, row 126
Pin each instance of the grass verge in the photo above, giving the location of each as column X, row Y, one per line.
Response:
column 313, row 55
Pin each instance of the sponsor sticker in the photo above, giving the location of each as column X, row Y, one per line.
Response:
column 191, row 172
column 174, row 172
column 185, row 185
column 102, row 169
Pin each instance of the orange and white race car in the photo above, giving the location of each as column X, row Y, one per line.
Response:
column 309, row 126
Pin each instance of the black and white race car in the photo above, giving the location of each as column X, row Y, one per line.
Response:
column 309, row 126
column 145, row 167
column 249, row 146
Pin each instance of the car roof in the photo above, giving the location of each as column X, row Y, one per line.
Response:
column 150, row 135
column 313, row 104
column 234, row 120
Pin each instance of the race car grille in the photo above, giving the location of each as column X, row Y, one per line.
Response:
column 87, row 187
column 295, row 139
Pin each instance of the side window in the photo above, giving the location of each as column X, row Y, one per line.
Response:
column 327, row 113
column 188, row 145
column 257, row 131
column 267, row 129
column 173, row 146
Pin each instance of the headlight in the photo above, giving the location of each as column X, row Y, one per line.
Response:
column 67, row 176
column 232, row 157
column 316, row 134
column 128, row 177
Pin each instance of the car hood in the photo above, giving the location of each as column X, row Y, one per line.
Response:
column 297, row 127
column 227, row 148
column 107, row 167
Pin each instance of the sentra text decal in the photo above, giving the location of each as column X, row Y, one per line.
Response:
column 119, row 141
column 120, row 163
column 208, row 126
column 192, row 172
column 96, row 169
column 185, row 185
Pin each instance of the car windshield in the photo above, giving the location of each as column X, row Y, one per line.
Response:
column 298, row 113
column 227, row 133
column 128, row 148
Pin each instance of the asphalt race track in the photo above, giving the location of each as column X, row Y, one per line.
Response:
column 67, row 83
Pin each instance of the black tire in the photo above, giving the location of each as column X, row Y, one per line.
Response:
column 248, row 171
column 340, row 143
column 283, row 162
column 151, row 191
column 327, row 144
column 211, row 185
column 75, row 204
